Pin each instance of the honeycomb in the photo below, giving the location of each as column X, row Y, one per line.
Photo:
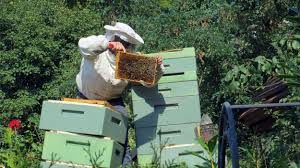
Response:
column 135, row 67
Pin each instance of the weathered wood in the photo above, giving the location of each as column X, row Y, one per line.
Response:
column 269, row 91
column 90, row 101
column 274, row 89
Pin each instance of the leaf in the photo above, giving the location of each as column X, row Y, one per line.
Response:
column 260, row 59
column 266, row 67
column 235, row 70
column 243, row 78
column 234, row 85
column 8, row 136
column 293, row 165
column 275, row 60
column 296, row 84
column 295, row 44
column 198, row 166
column 244, row 70
column 165, row 3
column 212, row 144
column 199, row 156
column 248, row 153
column 282, row 42
column 289, row 76
column 297, row 36
column 229, row 76
column 202, row 143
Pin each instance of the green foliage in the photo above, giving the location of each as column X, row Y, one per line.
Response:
column 210, row 154
column 38, row 51
column 39, row 60
column 275, row 149
column 289, row 52
column 15, row 152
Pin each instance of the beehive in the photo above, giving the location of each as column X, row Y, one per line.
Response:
column 80, row 150
column 135, row 67
column 167, row 113
column 176, row 155
column 150, row 139
column 83, row 118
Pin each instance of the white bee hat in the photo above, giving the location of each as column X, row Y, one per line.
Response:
column 125, row 32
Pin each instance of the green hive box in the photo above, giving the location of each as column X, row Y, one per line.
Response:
column 166, row 111
column 177, row 155
column 150, row 139
column 165, row 90
column 178, row 77
column 49, row 164
column 180, row 65
column 83, row 118
column 74, row 149
column 176, row 53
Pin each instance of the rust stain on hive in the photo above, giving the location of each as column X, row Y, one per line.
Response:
column 135, row 67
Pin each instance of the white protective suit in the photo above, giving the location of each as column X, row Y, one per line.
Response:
column 96, row 79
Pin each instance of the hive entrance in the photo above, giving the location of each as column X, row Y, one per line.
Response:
column 134, row 67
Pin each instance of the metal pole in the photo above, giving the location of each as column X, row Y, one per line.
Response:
column 227, row 128
column 270, row 105
column 231, row 136
column 222, row 140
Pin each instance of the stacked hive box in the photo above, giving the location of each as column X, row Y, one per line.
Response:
column 82, row 135
column 168, row 113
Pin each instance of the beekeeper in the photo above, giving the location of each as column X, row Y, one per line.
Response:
column 96, row 79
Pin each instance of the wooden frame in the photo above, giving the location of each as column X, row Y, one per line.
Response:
column 121, row 55
column 99, row 102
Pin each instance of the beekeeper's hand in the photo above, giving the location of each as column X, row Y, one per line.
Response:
column 159, row 60
column 116, row 46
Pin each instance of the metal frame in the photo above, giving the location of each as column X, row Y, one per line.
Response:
column 227, row 129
